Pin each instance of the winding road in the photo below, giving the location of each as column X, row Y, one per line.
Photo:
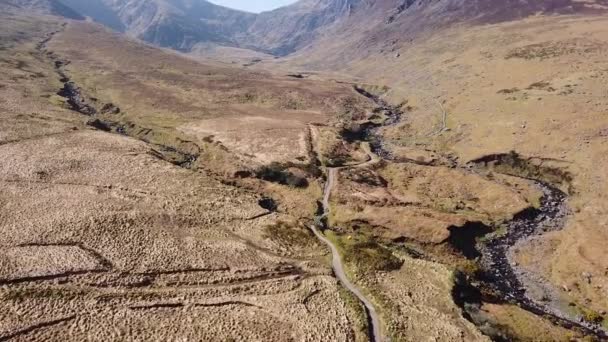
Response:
column 338, row 266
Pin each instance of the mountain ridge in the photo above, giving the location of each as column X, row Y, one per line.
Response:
column 52, row 7
column 182, row 24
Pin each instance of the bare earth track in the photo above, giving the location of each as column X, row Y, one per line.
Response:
column 101, row 232
column 501, row 272
column 338, row 267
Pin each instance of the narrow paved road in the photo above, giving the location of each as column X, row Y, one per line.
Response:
column 338, row 267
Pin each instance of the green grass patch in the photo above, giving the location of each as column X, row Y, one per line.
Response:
column 357, row 314
column 365, row 254
column 354, row 266
column 290, row 235
column 592, row 316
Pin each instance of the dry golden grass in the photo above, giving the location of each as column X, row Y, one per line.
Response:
column 422, row 203
column 102, row 239
column 535, row 86
column 128, row 235
column 524, row 326
column 254, row 114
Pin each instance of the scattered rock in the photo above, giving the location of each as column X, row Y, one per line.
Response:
column 587, row 277
column 75, row 99
column 110, row 108
column 100, row 125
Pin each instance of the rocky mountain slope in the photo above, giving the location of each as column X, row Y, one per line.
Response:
column 53, row 7
column 181, row 24
column 178, row 24
column 386, row 25
column 350, row 25
column 99, row 11
column 290, row 28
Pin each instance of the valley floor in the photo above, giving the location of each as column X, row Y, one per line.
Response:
column 148, row 196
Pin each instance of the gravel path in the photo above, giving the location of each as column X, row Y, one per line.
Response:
column 338, row 266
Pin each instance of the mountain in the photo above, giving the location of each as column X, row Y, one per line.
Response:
column 290, row 28
column 181, row 24
column 52, row 7
column 97, row 10
column 388, row 25
column 177, row 24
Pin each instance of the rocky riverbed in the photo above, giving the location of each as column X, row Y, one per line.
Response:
column 501, row 274
column 514, row 284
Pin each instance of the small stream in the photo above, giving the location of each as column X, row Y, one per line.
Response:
column 393, row 116
column 502, row 274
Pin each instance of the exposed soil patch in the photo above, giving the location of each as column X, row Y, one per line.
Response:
column 268, row 204
column 531, row 168
column 278, row 173
column 75, row 99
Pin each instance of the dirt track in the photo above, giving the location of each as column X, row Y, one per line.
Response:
column 338, row 267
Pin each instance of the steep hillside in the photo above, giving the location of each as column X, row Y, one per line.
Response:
column 176, row 24
column 179, row 24
column 350, row 26
column 384, row 26
column 52, row 7
column 182, row 24
column 99, row 11
column 289, row 28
